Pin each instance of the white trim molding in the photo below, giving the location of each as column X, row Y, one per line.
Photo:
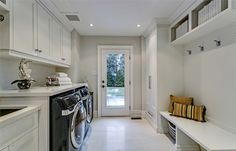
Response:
column 151, row 121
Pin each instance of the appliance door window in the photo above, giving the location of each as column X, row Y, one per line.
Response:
column 78, row 126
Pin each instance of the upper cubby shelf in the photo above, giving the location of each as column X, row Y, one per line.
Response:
column 205, row 18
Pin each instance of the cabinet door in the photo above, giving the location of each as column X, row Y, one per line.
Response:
column 66, row 47
column 5, row 149
column 23, row 25
column 56, row 40
column 43, row 32
column 29, row 142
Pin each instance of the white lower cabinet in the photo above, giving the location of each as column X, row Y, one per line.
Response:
column 5, row 149
column 29, row 142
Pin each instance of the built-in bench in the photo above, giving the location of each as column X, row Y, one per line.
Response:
column 190, row 134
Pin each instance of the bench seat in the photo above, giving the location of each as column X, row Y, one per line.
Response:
column 208, row 135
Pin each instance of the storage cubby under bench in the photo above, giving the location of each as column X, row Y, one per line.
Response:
column 191, row 134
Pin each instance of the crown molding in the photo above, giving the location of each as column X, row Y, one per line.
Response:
column 181, row 9
column 54, row 10
column 157, row 22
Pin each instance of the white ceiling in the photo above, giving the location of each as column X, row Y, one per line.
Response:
column 117, row 17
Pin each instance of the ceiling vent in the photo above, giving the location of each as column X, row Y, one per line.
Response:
column 73, row 17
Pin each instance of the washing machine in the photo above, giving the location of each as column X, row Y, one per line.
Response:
column 88, row 104
column 67, row 122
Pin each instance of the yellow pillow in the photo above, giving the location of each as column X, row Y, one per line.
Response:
column 181, row 100
column 193, row 112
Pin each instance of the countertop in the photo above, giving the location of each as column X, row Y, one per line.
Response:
column 40, row 91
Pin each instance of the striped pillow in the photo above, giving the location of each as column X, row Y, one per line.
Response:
column 182, row 100
column 193, row 112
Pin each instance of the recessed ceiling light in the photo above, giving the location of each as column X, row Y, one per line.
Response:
column 138, row 25
column 91, row 25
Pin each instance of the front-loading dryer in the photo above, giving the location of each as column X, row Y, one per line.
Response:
column 87, row 100
column 67, row 122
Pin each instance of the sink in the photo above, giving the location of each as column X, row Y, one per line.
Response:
column 8, row 110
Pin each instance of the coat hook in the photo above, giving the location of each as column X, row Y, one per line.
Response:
column 201, row 48
column 189, row 52
column 218, row 43
column 1, row 18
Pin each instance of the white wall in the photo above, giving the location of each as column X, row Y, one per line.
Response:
column 88, row 62
column 170, row 68
column 165, row 65
column 9, row 72
column 74, row 72
column 210, row 76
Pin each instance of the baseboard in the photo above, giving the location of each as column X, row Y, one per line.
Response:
column 149, row 118
column 143, row 114
column 187, row 147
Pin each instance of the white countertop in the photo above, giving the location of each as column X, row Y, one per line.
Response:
column 40, row 91
column 208, row 135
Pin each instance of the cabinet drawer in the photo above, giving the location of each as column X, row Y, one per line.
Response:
column 28, row 142
column 17, row 128
column 5, row 149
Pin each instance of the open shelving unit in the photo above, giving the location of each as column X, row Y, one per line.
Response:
column 226, row 16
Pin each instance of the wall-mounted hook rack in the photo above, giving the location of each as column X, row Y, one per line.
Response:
column 189, row 52
column 218, row 43
column 201, row 48
column 1, row 18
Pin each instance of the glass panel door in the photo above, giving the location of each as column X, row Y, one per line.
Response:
column 115, row 82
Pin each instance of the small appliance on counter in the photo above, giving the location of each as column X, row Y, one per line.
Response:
column 58, row 79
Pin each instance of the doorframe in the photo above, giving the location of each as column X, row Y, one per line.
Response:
column 99, row 79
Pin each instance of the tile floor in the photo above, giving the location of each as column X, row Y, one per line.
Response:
column 124, row 134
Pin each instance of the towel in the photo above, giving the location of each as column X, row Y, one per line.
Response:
column 64, row 83
column 61, row 74
column 64, row 79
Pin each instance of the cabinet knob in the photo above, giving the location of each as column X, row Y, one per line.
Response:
column 63, row 59
column 36, row 50
column 40, row 51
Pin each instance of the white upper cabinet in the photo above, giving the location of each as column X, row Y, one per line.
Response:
column 23, row 26
column 31, row 31
column 66, row 46
column 56, row 40
column 43, row 32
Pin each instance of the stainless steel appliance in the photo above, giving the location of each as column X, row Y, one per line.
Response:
column 67, row 122
column 88, row 104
